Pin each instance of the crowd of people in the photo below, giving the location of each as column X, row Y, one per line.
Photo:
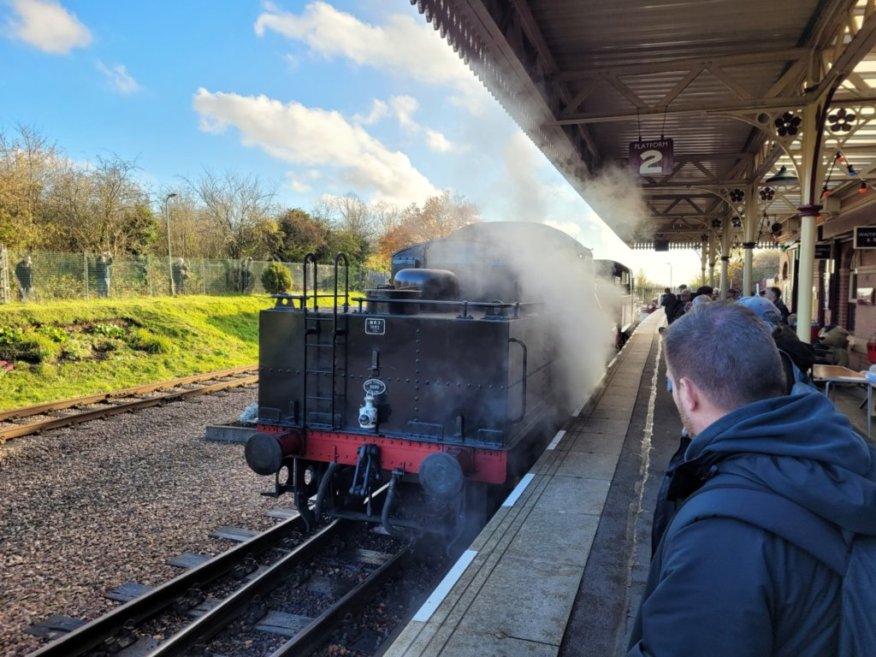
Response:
column 103, row 269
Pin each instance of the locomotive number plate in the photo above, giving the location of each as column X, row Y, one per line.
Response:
column 375, row 326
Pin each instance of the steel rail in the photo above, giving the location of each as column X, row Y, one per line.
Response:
column 313, row 635
column 39, row 409
column 90, row 636
column 235, row 605
column 116, row 403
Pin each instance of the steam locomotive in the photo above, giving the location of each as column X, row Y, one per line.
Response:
column 450, row 378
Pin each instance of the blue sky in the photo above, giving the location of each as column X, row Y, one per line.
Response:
column 314, row 98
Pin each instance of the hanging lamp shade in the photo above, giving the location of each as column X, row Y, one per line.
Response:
column 782, row 178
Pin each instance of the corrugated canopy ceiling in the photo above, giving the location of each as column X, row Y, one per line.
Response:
column 727, row 81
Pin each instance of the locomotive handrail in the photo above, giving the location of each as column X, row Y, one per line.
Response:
column 310, row 257
column 338, row 258
column 516, row 306
column 523, row 380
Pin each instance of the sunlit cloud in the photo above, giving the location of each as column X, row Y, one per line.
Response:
column 46, row 25
column 379, row 110
column 403, row 109
column 437, row 142
column 401, row 46
column 119, row 79
column 296, row 184
column 312, row 137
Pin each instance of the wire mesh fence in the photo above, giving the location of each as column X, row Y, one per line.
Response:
column 44, row 276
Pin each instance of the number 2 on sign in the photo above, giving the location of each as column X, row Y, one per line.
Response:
column 650, row 162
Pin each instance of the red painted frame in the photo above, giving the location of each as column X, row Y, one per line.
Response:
column 485, row 465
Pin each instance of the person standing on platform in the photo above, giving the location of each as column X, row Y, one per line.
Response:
column 774, row 294
column 738, row 573
column 679, row 306
column 24, row 276
column 103, row 269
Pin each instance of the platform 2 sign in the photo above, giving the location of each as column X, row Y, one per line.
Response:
column 651, row 158
column 865, row 237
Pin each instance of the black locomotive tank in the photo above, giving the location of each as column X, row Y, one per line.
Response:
column 445, row 378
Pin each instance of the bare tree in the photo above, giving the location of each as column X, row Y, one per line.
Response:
column 27, row 162
column 234, row 205
column 100, row 208
column 349, row 214
column 439, row 216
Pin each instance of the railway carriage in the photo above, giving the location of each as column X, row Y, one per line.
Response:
column 616, row 289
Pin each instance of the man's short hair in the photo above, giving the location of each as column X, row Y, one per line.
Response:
column 777, row 293
column 728, row 352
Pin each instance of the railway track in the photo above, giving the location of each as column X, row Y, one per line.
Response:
column 52, row 415
column 327, row 570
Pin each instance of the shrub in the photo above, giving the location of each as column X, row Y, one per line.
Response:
column 29, row 346
column 54, row 333
column 65, row 286
column 108, row 331
column 276, row 279
column 76, row 349
column 36, row 348
column 105, row 345
column 143, row 340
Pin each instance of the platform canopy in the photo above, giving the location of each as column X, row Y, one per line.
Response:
column 702, row 101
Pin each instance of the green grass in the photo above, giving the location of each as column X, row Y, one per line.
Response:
column 69, row 348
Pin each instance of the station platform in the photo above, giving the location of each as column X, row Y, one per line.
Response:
column 561, row 567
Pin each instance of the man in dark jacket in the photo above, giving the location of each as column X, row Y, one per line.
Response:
column 24, row 275
column 774, row 294
column 722, row 587
column 103, row 271
column 678, row 307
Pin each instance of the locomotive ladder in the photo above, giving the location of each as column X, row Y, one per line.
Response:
column 325, row 358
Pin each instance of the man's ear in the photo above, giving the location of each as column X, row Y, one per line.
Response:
column 688, row 394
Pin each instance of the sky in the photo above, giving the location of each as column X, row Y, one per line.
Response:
column 316, row 99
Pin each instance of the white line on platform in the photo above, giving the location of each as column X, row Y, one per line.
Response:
column 437, row 597
column 556, row 441
column 518, row 490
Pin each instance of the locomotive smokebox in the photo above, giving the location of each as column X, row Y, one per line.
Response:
column 433, row 284
column 266, row 452
column 442, row 477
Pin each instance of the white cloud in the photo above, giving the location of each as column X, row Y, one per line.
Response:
column 296, row 184
column 403, row 108
column 46, row 25
column 316, row 138
column 438, row 142
column 119, row 78
column 379, row 110
column 401, row 46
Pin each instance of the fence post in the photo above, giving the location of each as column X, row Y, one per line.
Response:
column 85, row 275
column 204, row 275
column 4, row 274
